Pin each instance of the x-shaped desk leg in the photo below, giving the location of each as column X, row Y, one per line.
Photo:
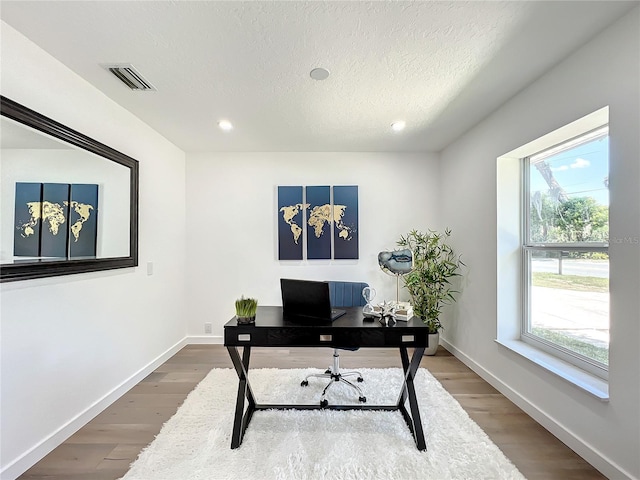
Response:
column 242, row 419
column 409, row 391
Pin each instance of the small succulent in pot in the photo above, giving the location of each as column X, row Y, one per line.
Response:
column 246, row 310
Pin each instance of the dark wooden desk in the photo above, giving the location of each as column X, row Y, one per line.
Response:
column 350, row 330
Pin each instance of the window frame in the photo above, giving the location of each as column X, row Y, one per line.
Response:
column 528, row 247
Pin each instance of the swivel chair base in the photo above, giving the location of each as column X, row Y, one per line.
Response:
column 333, row 373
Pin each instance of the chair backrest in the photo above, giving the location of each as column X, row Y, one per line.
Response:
column 347, row 294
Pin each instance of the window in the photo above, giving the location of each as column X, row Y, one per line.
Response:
column 565, row 250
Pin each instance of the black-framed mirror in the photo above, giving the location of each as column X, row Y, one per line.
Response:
column 69, row 204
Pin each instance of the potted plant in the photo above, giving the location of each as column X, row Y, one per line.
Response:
column 246, row 310
column 428, row 283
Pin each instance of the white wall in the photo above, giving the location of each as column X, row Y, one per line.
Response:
column 232, row 222
column 605, row 71
column 70, row 345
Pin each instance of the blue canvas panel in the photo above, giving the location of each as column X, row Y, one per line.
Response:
column 345, row 217
column 83, row 220
column 27, row 220
column 318, row 222
column 290, row 222
column 55, row 212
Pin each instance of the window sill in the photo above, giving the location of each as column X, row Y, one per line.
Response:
column 592, row 384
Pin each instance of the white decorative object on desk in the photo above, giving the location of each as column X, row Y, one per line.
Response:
column 369, row 310
column 403, row 311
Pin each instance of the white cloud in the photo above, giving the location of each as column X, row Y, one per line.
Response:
column 580, row 163
column 562, row 168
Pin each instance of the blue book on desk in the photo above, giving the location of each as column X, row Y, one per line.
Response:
column 307, row 300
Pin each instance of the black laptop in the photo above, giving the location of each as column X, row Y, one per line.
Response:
column 307, row 300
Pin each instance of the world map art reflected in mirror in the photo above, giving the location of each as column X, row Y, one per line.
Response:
column 55, row 220
column 69, row 204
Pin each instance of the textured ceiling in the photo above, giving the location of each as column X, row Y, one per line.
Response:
column 440, row 66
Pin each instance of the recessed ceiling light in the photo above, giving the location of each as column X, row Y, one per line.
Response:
column 398, row 126
column 319, row 73
column 225, row 125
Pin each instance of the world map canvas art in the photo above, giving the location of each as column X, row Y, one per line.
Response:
column 320, row 215
column 290, row 221
column 331, row 226
column 55, row 220
column 345, row 213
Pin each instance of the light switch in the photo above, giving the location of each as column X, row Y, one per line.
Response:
column 149, row 268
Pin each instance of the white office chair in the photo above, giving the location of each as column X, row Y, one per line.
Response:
column 343, row 294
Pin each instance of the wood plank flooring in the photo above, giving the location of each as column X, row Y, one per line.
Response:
column 105, row 447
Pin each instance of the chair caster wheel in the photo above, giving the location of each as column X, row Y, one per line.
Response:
column 363, row 399
column 324, row 403
column 327, row 371
column 360, row 379
column 304, row 383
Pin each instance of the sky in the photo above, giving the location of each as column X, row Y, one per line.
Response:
column 581, row 171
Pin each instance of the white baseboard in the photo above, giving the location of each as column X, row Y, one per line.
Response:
column 21, row 464
column 205, row 340
column 582, row 448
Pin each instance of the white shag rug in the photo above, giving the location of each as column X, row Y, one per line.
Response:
column 319, row 444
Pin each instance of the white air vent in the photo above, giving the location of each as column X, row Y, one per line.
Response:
column 130, row 77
